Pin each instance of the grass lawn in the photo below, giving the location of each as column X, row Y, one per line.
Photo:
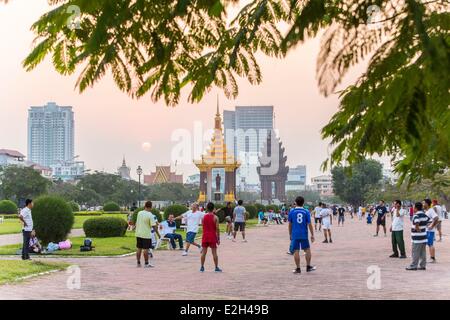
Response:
column 13, row 270
column 10, row 226
column 106, row 246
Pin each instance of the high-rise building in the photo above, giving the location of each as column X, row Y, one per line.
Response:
column 50, row 134
column 296, row 179
column 246, row 131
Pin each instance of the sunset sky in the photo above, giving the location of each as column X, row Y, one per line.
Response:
column 109, row 124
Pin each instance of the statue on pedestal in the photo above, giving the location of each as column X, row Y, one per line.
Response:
column 218, row 178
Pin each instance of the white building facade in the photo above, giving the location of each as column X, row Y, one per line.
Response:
column 323, row 184
column 50, row 134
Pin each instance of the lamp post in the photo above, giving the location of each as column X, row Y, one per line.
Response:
column 139, row 173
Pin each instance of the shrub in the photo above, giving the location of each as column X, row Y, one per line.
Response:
column 75, row 207
column 273, row 207
column 260, row 207
column 176, row 210
column 105, row 227
column 111, row 206
column 155, row 211
column 88, row 213
column 53, row 219
column 8, row 207
column 251, row 209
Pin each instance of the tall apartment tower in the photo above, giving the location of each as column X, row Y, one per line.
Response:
column 249, row 126
column 50, row 134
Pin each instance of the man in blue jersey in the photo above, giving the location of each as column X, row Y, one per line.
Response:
column 299, row 221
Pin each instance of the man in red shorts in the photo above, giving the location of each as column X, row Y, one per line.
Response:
column 211, row 237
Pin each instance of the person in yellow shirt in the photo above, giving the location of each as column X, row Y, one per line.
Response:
column 145, row 222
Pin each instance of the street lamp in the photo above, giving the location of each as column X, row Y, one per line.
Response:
column 139, row 173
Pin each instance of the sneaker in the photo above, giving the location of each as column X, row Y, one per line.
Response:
column 184, row 253
column 393, row 256
column 422, row 268
column 310, row 268
column 217, row 269
column 289, row 253
column 403, row 257
column 297, row 271
column 244, row 240
column 202, row 269
column 148, row 265
column 331, row 241
column 325, row 241
column 411, row 268
column 375, row 235
column 432, row 260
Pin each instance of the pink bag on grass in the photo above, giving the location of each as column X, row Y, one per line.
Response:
column 64, row 245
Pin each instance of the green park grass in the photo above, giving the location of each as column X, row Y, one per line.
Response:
column 113, row 246
column 11, row 226
column 14, row 270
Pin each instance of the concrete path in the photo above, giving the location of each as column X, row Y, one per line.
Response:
column 16, row 238
column 259, row 269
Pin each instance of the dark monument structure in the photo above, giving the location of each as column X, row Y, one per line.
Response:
column 273, row 169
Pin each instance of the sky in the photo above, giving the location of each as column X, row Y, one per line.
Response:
column 109, row 124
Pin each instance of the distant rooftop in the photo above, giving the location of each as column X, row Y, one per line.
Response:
column 12, row 153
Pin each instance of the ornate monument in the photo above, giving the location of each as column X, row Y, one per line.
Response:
column 163, row 174
column 217, row 159
column 273, row 170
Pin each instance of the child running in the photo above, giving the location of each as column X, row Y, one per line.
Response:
column 211, row 237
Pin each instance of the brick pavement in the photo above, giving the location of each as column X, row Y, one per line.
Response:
column 259, row 269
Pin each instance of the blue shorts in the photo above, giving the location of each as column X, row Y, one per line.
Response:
column 430, row 238
column 190, row 237
column 297, row 244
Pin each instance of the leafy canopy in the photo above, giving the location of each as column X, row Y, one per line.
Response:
column 398, row 107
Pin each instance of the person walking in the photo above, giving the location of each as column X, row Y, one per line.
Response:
column 228, row 213
column 239, row 219
column 210, row 237
column 398, row 244
column 419, row 239
column 326, row 215
column 28, row 228
column 299, row 222
column 317, row 217
column 341, row 217
column 193, row 219
column 145, row 222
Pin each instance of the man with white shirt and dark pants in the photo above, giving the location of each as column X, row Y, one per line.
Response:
column 397, row 231
column 27, row 220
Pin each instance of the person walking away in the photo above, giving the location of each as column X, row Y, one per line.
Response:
column 431, row 229
column 440, row 212
column 419, row 239
column 317, row 218
column 27, row 219
column 228, row 213
column 325, row 214
column 299, row 222
column 193, row 219
column 398, row 244
column 210, row 237
column 145, row 222
column 239, row 218
column 381, row 217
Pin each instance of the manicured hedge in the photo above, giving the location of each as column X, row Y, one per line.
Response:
column 176, row 210
column 260, row 207
column 251, row 209
column 88, row 213
column 8, row 207
column 53, row 219
column 105, row 227
column 75, row 207
column 111, row 206
column 155, row 211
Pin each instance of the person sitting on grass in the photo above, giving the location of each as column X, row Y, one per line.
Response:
column 35, row 246
column 262, row 218
column 167, row 230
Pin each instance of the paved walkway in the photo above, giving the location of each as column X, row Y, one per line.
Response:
column 6, row 239
column 259, row 269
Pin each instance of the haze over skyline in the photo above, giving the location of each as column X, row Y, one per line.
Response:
column 109, row 124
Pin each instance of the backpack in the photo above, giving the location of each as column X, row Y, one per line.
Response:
column 87, row 245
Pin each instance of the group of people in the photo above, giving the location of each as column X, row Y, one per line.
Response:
column 147, row 229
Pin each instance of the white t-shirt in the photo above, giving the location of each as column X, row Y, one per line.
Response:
column 439, row 212
column 193, row 220
column 325, row 214
column 397, row 222
column 25, row 213
column 431, row 214
column 317, row 212
column 166, row 229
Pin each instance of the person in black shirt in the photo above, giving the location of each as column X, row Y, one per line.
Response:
column 381, row 217
column 228, row 213
column 341, row 212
